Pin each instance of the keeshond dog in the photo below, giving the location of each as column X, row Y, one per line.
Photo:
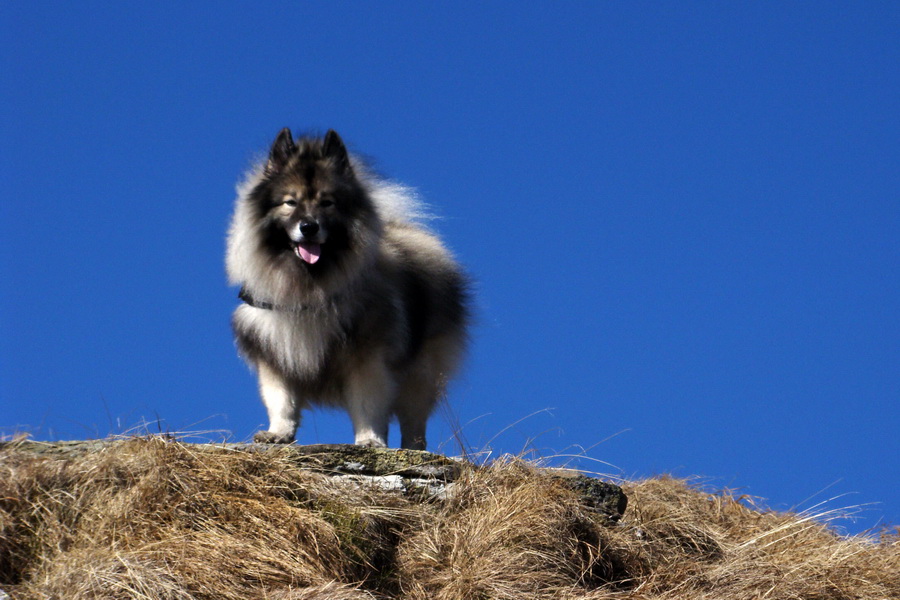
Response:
column 348, row 301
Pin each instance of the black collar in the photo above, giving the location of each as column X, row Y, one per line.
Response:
column 249, row 299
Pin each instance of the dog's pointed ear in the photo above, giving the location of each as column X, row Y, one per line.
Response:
column 333, row 148
column 282, row 148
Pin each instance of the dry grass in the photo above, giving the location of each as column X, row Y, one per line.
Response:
column 152, row 518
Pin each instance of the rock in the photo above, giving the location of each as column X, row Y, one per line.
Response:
column 601, row 496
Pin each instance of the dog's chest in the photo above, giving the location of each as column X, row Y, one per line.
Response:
column 297, row 341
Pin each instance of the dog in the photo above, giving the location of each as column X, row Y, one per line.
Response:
column 348, row 301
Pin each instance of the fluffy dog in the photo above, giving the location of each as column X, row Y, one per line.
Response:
column 347, row 301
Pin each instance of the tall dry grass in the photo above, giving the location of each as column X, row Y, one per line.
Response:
column 152, row 518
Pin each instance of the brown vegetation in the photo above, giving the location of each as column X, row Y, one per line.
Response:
column 152, row 518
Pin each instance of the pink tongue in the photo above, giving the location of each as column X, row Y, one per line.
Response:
column 309, row 252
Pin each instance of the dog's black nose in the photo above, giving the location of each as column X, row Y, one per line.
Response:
column 309, row 228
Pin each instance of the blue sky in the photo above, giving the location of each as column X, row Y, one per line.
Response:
column 681, row 219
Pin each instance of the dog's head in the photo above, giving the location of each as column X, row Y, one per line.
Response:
column 310, row 200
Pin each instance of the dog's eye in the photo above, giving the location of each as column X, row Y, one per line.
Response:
column 290, row 202
column 326, row 203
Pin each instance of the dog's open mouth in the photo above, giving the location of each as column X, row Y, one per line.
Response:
column 308, row 252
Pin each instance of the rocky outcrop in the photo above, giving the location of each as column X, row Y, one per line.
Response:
column 407, row 472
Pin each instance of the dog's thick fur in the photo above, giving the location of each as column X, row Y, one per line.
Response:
column 348, row 302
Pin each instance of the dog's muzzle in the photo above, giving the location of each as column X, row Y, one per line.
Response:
column 308, row 237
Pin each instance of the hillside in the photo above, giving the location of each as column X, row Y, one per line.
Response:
column 155, row 518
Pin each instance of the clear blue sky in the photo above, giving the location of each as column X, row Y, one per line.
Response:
column 682, row 219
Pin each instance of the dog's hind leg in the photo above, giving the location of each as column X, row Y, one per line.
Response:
column 424, row 386
column 282, row 407
column 412, row 431
column 416, row 400
column 369, row 392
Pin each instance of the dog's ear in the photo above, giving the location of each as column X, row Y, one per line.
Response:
column 333, row 148
column 282, row 148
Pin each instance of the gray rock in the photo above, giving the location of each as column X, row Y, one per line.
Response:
column 601, row 496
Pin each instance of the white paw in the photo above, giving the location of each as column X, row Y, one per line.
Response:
column 267, row 437
column 371, row 442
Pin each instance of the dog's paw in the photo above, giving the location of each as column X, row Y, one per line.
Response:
column 267, row 437
column 371, row 443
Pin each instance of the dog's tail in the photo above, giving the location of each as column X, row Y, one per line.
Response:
column 393, row 201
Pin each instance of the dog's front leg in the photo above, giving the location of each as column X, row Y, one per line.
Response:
column 369, row 394
column 281, row 405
